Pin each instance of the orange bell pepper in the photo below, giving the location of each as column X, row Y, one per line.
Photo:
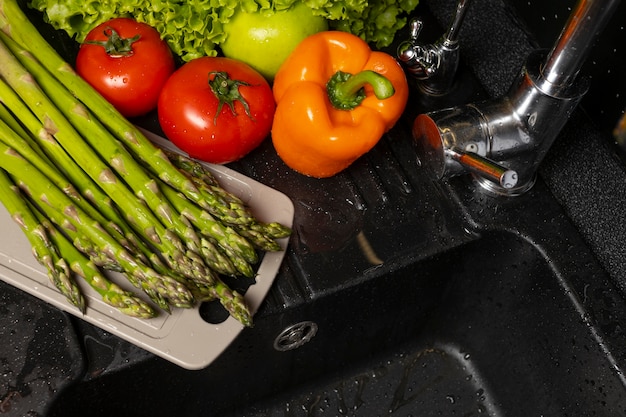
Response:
column 335, row 98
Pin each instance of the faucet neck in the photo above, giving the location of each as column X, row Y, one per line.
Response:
column 573, row 46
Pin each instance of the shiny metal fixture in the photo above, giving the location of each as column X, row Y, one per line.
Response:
column 295, row 336
column 434, row 65
column 503, row 141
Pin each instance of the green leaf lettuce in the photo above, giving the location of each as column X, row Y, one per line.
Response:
column 194, row 28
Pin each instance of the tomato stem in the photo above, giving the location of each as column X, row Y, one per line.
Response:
column 115, row 45
column 227, row 92
column 346, row 91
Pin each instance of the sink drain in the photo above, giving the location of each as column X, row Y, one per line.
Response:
column 295, row 336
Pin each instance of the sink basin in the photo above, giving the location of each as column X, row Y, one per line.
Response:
column 507, row 337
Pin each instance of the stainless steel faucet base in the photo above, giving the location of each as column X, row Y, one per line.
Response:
column 502, row 141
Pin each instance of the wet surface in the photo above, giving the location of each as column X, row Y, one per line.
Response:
column 412, row 383
column 42, row 357
column 509, row 337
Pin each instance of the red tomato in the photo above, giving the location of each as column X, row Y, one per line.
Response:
column 216, row 109
column 131, row 74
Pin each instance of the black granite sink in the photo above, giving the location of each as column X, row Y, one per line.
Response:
column 508, row 336
column 404, row 296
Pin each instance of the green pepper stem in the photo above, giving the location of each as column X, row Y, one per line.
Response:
column 346, row 91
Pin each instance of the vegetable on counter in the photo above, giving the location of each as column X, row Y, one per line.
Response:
column 264, row 40
column 86, row 170
column 197, row 28
column 216, row 109
column 43, row 249
column 335, row 99
column 127, row 62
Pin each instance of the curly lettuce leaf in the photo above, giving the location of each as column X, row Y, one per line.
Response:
column 378, row 22
column 194, row 28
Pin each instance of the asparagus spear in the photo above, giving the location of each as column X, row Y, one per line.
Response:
column 16, row 127
column 53, row 199
column 45, row 141
column 261, row 235
column 214, row 288
column 125, row 301
column 226, row 237
column 43, row 249
column 224, row 206
column 233, row 302
column 9, row 137
column 94, row 253
column 29, row 150
column 191, row 168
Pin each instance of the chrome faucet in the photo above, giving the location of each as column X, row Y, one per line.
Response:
column 503, row 141
column 433, row 65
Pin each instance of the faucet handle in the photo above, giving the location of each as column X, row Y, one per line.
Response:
column 434, row 65
column 485, row 168
column 415, row 28
column 448, row 142
column 419, row 60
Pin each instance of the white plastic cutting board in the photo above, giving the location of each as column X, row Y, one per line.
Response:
column 181, row 337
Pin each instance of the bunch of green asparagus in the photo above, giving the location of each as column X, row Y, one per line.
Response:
column 92, row 193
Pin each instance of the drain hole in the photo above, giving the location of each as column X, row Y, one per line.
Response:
column 295, row 336
column 213, row 312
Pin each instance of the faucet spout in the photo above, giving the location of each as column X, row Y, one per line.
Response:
column 514, row 133
column 572, row 48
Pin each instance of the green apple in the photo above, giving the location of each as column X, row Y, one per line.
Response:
column 264, row 40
